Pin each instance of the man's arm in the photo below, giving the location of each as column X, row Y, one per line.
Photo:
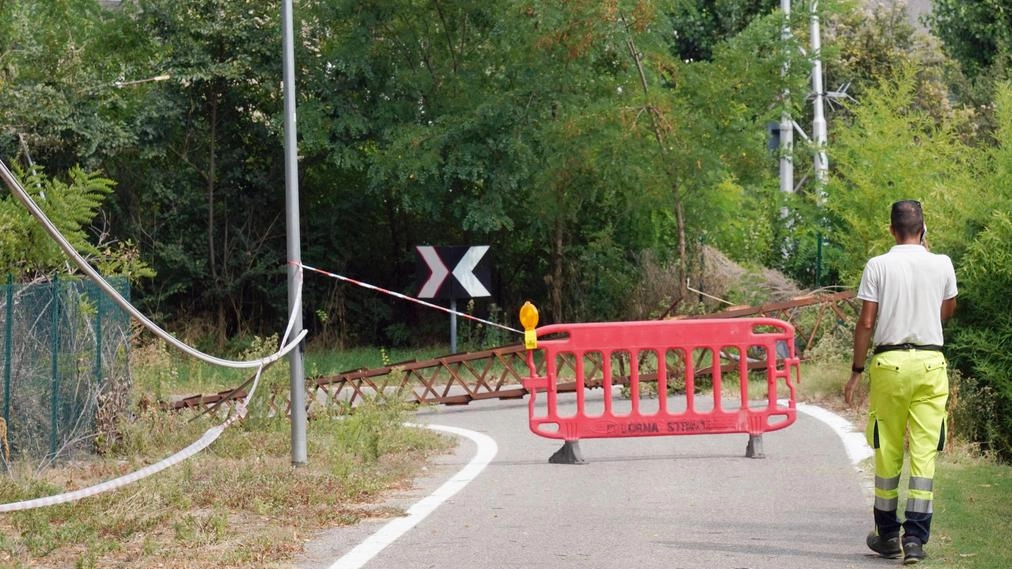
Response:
column 948, row 309
column 862, row 340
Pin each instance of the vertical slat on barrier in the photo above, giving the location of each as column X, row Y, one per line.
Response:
column 54, row 346
column 634, row 383
column 771, row 375
column 606, row 381
column 8, row 348
column 690, row 381
column 718, row 378
column 662, row 381
column 743, row 376
column 551, row 393
column 581, row 397
column 772, row 372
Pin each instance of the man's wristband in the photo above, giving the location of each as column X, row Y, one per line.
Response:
column 857, row 369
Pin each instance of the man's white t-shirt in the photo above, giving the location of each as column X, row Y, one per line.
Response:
column 909, row 284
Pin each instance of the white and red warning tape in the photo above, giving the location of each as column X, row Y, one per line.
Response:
column 405, row 297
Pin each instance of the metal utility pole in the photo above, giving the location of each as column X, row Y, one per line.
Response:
column 819, row 121
column 297, row 372
column 786, row 123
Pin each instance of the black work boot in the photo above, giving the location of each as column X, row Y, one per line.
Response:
column 913, row 551
column 887, row 547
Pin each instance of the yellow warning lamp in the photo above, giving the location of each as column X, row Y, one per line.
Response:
column 529, row 320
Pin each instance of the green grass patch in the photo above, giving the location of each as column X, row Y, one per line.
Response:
column 971, row 525
column 823, row 383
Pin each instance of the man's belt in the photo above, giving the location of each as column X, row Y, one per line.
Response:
column 893, row 347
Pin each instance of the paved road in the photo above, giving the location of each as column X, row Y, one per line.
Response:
column 665, row 502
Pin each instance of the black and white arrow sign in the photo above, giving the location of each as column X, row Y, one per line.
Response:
column 470, row 273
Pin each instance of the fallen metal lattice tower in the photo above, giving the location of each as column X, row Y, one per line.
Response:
column 497, row 373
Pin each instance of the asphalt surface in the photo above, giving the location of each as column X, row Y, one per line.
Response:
column 672, row 502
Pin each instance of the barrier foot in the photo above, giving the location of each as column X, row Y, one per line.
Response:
column 755, row 447
column 568, row 454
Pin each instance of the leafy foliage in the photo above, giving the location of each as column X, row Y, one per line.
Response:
column 27, row 251
column 978, row 33
column 61, row 61
column 985, row 315
column 892, row 151
column 985, row 330
column 700, row 25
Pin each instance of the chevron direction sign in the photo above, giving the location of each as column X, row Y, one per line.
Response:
column 454, row 272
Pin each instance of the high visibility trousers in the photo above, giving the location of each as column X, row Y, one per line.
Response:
column 909, row 390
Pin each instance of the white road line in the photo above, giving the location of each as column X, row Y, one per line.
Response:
column 375, row 543
column 853, row 441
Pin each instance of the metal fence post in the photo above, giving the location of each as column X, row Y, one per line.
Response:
column 54, row 331
column 8, row 348
column 98, row 342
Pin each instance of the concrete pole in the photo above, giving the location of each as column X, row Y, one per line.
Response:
column 297, row 371
column 819, row 121
column 786, row 124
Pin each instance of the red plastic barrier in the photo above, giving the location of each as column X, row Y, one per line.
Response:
column 645, row 359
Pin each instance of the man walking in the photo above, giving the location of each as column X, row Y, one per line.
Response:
column 907, row 294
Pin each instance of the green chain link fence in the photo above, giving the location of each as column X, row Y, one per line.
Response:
column 64, row 363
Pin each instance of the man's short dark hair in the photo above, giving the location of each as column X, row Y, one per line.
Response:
column 906, row 218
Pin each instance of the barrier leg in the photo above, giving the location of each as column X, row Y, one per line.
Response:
column 755, row 447
column 568, row 454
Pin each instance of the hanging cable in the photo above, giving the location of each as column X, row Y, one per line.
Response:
column 19, row 192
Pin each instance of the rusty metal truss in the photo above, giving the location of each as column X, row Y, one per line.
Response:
column 497, row 373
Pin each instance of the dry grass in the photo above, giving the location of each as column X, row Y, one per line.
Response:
column 657, row 291
column 728, row 280
column 239, row 503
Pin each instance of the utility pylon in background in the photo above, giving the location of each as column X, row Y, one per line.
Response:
column 786, row 123
column 821, row 160
column 819, row 138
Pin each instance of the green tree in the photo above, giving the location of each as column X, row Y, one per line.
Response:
column 60, row 61
column 570, row 137
column 876, row 41
column 29, row 253
column 895, row 150
column 700, row 25
column 978, row 33
column 203, row 188
column 58, row 65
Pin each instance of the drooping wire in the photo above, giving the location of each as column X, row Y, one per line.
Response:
column 19, row 192
column 211, row 434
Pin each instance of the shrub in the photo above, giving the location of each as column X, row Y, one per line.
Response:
column 980, row 342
